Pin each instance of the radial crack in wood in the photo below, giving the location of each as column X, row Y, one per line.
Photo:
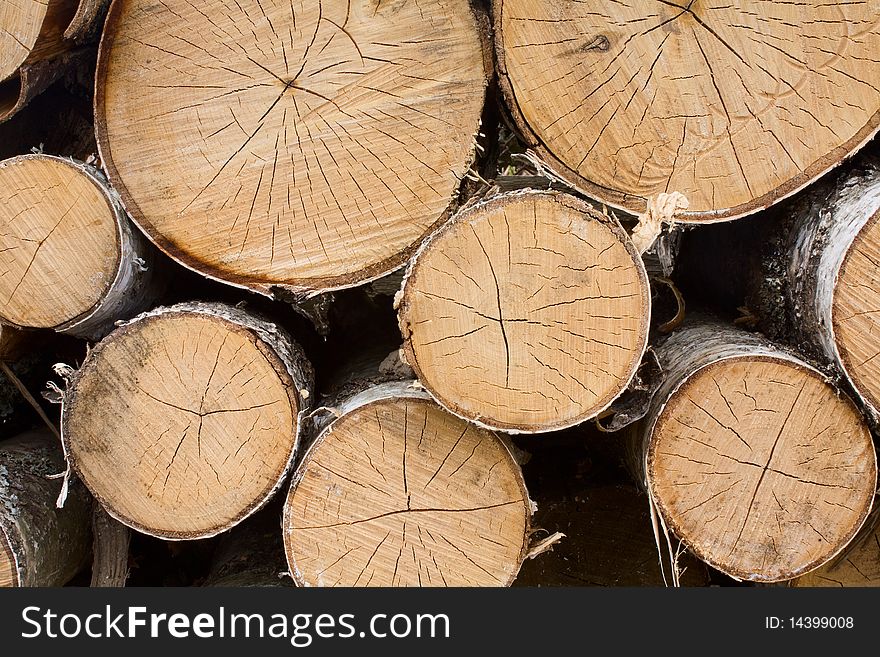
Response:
column 398, row 492
column 528, row 312
column 185, row 420
column 307, row 145
column 735, row 105
column 760, row 466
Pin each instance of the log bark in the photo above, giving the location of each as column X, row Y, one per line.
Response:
column 528, row 312
column 185, row 420
column 324, row 140
column 40, row 545
column 626, row 101
column 39, row 41
column 819, row 286
column 72, row 260
column 758, row 464
column 110, row 540
column 395, row 491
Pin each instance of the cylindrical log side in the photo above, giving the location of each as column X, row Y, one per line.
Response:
column 40, row 545
column 753, row 459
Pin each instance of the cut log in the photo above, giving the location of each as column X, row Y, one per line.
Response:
column 734, row 106
column 110, row 540
column 528, row 312
column 71, row 260
column 821, row 286
column 754, row 461
column 397, row 492
column 40, row 545
column 304, row 146
column 185, row 420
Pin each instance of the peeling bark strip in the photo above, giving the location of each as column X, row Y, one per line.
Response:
column 184, row 421
column 398, row 492
column 735, row 105
column 824, row 276
column 69, row 257
column 318, row 141
column 526, row 313
column 34, row 46
column 40, row 545
column 755, row 462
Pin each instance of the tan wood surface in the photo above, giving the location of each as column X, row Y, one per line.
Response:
column 8, row 576
column 856, row 308
column 526, row 313
column 181, row 423
column 59, row 245
column 733, row 104
column 761, row 468
column 306, row 144
column 401, row 493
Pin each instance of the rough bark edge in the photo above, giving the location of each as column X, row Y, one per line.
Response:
column 391, row 390
column 273, row 289
column 33, row 78
column 33, row 529
column 134, row 285
column 725, row 345
column 804, row 257
column 487, row 204
column 636, row 204
column 285, row 356
column 110, row 541
column 86, row 22
column 830, row 220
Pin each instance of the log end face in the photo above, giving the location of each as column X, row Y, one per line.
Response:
column 182, row 423
column 526, row 313
column 399, row 492
column 633, row 101
column 329, row 149
column 59, row 242
column 761, row 468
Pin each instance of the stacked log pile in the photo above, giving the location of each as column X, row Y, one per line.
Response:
column 392, row 293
